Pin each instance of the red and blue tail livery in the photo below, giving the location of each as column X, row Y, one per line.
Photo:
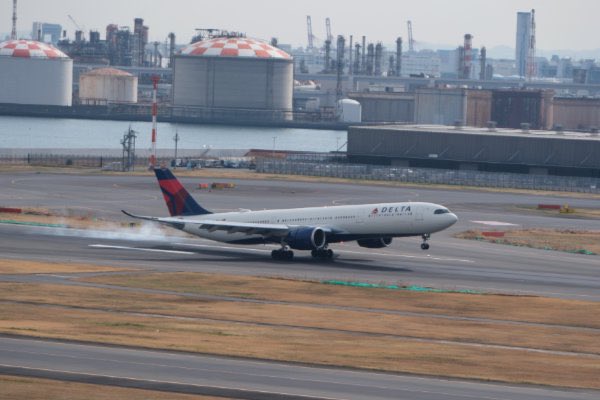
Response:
column 179, row 201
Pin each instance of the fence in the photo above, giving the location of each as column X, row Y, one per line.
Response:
column 326, row 168
column 82, row 161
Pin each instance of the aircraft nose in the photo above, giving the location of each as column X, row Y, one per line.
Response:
column 453, row 218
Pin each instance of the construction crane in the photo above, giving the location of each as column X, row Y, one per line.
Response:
column 311, row 42
column 328, row 28
column 411, row 41
column 13, row 33
column 79, row 28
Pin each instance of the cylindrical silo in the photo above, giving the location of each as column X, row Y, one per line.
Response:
column 233, row 73
column 104, row 85
column 35, row 73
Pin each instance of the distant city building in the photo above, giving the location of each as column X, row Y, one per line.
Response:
column 422, row 63
column 523, row 41
column 45, row 32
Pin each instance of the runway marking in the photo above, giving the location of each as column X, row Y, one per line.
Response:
column 104, row 246
column 221, row 247
column 200, row 386
column 427, row 257
column 494, row 223
column 339, row 251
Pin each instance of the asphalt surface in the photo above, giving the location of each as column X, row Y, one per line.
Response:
column 449, row 264
column 241, row 378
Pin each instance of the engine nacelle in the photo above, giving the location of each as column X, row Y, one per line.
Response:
column 306, row 239
column 376, row 243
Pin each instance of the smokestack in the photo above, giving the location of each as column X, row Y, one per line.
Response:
column 357, row 59
column 363, row 67
column 370, row 58
column 398, row 56
column 13, row 33
column 468, row 56
column 341, row 46
column 171, row 48
column 327, row 56
column 483, row 61
column 378, row 58
column 350, row 57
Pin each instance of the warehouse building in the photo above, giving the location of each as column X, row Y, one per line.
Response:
column 501, row 150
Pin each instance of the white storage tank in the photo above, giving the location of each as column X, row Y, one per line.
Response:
column 233, row 73
column 35, row 73
column 349, row 110
column 104, row 85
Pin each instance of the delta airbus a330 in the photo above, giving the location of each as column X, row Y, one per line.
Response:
column 313, row 229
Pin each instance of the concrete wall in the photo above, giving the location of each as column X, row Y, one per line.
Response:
column 385, row 107
column 440, row 106
column 577, row 113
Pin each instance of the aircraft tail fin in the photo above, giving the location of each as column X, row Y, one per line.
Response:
column 179, row 201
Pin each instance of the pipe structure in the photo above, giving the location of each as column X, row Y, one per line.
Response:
column 398, row 56
column 155, row 80
column 468, row 56
column 483, row 62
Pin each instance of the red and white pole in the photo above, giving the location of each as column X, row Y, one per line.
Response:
column 155, row 80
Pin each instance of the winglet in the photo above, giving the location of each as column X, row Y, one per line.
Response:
column 179, row 201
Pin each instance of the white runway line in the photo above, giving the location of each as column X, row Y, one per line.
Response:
column 494, row 223
column 103, row 246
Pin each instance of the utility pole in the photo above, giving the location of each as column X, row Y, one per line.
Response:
column 176, row 138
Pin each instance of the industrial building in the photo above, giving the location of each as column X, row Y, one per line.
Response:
column 104, row 85
column 501, row 150
column 233, row 73
column 35, row 73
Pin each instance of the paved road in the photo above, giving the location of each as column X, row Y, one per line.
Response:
column 243, row 378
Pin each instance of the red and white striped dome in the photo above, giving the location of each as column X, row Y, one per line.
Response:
column 234, row 47
column 29, row 49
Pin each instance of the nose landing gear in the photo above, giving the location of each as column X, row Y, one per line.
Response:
column 425, row 245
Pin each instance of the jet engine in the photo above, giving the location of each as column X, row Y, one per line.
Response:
column 307, row 238
column 376, row 243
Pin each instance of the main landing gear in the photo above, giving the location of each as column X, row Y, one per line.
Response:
column 322, row 253
column 425, row 245
column 282, row 254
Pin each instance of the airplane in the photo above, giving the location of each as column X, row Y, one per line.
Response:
column 313, row 228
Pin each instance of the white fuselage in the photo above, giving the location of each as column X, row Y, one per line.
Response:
column 365, row 220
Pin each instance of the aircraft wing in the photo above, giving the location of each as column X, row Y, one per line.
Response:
column 228, row 226
column 241, row 227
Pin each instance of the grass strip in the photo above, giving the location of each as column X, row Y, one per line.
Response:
column 17, row 387
column 566, row 240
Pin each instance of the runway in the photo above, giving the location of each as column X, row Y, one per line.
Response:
column 449, row 264
column 242, row 378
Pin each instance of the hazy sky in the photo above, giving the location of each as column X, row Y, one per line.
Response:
column 561, row 24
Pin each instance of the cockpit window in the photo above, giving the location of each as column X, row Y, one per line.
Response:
column 441, row 211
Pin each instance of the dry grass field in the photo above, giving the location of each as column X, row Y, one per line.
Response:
column 550, row 239
column 490, row 337
column 19, row 388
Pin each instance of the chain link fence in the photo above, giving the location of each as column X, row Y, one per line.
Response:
column 326, row 168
